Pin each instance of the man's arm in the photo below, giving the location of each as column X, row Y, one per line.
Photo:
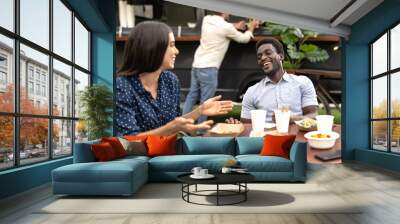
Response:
column 308, row 100
column 234, row 34
column 308, row 112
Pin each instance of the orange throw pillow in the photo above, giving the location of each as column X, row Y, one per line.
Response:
column 116, row 145
column 277, row 145
column 135, row 137
column 161, row 145
column 103, row 152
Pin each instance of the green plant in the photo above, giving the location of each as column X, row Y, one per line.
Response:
column 296, row 46
column 97, row 103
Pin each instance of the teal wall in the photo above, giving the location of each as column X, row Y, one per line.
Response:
column 24, row 178
column 356, row 125
column 99, row 16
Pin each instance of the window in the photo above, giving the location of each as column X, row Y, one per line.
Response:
column 3, row 78
column 7, row 14
column 385, row 97
column 43, row 90
column 30, row 87
column 30, row 72
column 44, row 77
column 34, row 22
column 41, row 84
column 81, row 45
column 37, row 74
column 7, row 74
column 38, row 89
column 3, row 71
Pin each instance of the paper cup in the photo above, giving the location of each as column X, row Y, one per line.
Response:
column 258, row 119
column 324, row 123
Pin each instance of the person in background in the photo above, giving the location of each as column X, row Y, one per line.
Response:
column 278, row 87
column 216, row 34
column 147, row 94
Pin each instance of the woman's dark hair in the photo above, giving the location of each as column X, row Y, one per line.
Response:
column 145, row 49
column 270, row 40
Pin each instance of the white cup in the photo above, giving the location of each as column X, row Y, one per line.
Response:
column 258, row 120
column 226, row 170
column 203, row 172
column 282, row 119
column 324, row 123
column 196, row 171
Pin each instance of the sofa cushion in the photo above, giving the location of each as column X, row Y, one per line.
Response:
column 134, row 147
column 257, row 163
column 116, row 145
column 112, row 171
column 161, row 145
column 277, row 145
column 249, row 145
column 135, row 137
column 185, row 163
column 206, row 145
column 103, row 152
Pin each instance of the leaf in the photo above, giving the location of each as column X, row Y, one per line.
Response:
column 308, row 48
column 297, row 32
column 308, row 33
column 294, row 53
column 289, row 38
column 319, row 55
column 276, row 29
column 288, row 65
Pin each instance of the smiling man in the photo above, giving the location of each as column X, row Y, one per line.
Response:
column 278, row 87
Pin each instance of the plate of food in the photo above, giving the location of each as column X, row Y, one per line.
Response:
column 307, row 124
column 225, row 129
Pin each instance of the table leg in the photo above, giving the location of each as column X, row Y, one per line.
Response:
column 217, row 194
column 245, row 191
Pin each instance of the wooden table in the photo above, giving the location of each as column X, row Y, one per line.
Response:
column 311, row 152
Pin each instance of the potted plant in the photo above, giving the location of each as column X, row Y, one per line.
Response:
column 296, row 46
column 96, row 102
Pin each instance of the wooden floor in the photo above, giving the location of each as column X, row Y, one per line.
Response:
column 378, row 189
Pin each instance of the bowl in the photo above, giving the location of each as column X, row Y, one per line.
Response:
column 321, row 140
column 225, row 129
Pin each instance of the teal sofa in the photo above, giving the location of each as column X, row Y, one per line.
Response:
column 125, row 176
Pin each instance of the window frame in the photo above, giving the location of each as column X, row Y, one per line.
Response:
column 16, row 114
column 388, row 74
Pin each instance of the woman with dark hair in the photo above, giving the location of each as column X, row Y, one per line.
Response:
column 148, row 94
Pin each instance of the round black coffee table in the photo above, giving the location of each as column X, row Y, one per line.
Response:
column 238, row 179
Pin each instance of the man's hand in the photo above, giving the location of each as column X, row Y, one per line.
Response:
column 232, row 120
column 253, row 24
column 241, row 25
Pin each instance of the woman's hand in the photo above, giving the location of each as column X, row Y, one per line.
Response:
column 188, row 125
column 213, row 106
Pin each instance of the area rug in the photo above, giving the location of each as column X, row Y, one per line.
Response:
column 167, row 198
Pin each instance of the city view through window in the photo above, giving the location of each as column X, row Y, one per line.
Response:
column 39, row 113
column 385, row 79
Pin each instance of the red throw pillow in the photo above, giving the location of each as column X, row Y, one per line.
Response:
column 277, row 145
column 116, row 145
column 103, row 152
column 161, row 145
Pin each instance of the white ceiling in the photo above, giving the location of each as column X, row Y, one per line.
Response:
column 324, row 16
